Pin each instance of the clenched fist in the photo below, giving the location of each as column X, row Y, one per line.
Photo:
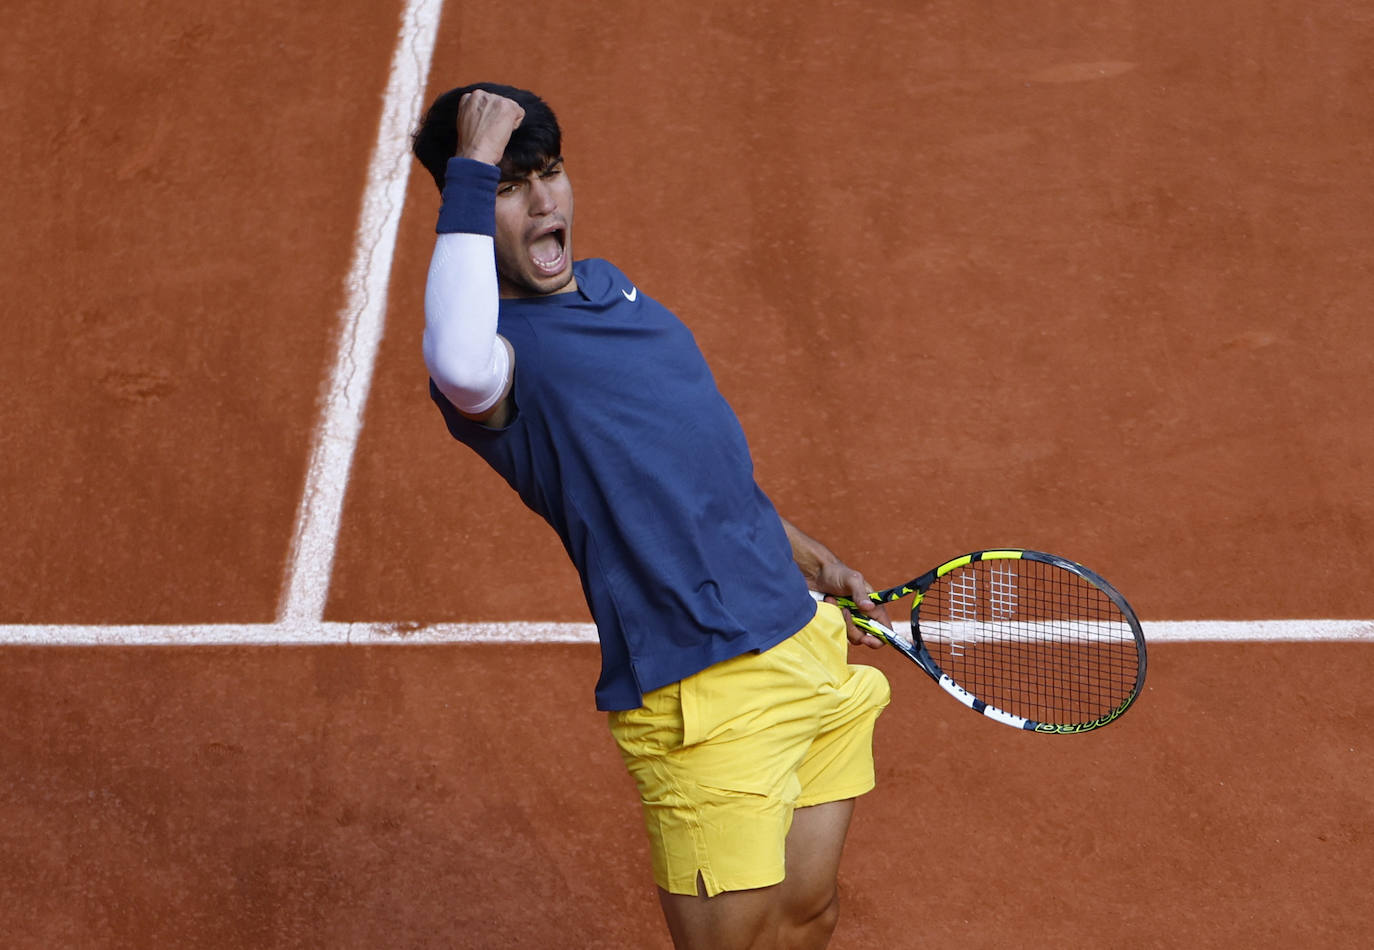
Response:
column 485, row 124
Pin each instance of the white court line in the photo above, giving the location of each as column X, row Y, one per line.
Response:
column 305, row 634
column 1257, row 631
column 295, row 634
column 317, row 522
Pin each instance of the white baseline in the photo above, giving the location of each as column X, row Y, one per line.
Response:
column 323, row 633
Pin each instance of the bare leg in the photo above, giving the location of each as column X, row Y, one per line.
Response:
column 811, row 899
column 732, row 920
column 798, row 914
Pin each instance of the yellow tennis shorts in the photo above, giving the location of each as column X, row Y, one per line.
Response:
column 723, row 757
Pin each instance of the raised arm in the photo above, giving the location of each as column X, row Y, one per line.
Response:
column 826, row 573
column 470, row 364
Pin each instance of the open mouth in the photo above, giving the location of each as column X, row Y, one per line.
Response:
column 549, row 252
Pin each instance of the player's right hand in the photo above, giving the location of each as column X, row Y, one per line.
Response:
column 485, row 124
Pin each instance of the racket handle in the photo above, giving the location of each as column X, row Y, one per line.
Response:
column 861, row 620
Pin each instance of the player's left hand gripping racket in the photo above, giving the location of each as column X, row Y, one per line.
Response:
column 1031, row 640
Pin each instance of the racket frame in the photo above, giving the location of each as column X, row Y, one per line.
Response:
column 917, row 652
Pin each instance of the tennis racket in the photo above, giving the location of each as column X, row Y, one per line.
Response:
column 1030, row 640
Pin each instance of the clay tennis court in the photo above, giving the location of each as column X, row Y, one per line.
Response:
column 281, row 665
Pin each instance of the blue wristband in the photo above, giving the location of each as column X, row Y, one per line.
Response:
column 469, row 198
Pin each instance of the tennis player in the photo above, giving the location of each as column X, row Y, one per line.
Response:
column 727, row 688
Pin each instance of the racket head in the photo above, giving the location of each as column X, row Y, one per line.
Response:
column 1031, row 639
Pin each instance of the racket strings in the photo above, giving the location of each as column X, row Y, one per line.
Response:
column 1031, row 638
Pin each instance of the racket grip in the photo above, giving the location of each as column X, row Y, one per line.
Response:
column 861, row 620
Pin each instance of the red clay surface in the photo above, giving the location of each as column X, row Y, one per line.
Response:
column 1089, row 278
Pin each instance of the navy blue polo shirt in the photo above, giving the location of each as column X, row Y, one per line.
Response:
column 622, row 442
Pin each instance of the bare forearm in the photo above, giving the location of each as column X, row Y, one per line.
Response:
column 811, row 556
column 826, row 573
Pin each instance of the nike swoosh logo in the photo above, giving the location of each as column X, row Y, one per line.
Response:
column 631, row 294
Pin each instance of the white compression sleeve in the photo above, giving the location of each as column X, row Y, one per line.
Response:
column 467, row 361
